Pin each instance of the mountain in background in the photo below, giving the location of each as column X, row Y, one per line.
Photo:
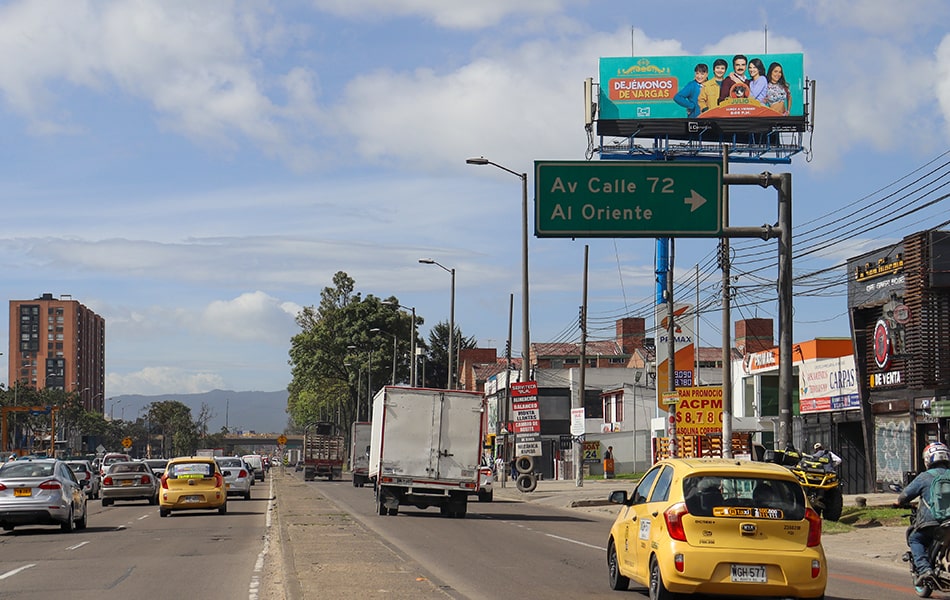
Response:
column 262, row 412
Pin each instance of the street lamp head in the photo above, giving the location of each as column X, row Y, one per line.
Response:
column 477, row 161
column 375, row 330
column 427, row 261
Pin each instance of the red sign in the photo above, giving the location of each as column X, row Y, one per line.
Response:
column 522, row 389
column 527, row 426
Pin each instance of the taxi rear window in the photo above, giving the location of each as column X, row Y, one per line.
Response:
column 744, row 497
column 186, row 470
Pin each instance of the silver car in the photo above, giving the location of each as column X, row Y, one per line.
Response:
column 41, row 492
column 157, row 465
column 237, row 475
column 132, row 480
column 87, row 476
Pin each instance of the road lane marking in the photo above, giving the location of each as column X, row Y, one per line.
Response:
column 253, row 589
column 15, row 571
column 564, row 539
column 144, row 517
column 77, row 546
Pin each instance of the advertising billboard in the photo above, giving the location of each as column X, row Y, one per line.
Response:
column 689, row 96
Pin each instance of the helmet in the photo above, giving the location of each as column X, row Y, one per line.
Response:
column 818, row 446
column 935, row 453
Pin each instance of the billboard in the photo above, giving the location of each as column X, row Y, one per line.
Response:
column 694, row 96
column 828, row 384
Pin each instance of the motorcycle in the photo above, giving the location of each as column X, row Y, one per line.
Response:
column 818, row 479
column 939, row 554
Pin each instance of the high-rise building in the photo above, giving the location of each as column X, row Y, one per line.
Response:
column 58, row 343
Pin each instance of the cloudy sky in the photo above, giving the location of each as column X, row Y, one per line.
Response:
column 196, row 172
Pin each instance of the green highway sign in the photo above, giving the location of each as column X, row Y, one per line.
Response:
column 627, row 199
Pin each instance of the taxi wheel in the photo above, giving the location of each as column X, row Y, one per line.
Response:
column 658, row 591
column 163, row 512
column 617, row 581
column 223, row 509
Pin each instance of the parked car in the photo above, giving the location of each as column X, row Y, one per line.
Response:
column 717, row 526
column 157, row 465
column 41, row 492
column 109, row 459
column 129, row 480
column 85, row 472
column 257, row 463
column 192, row 482
column 237, row 475
column 486, row 479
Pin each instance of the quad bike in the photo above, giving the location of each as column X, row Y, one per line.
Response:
column 818, row 479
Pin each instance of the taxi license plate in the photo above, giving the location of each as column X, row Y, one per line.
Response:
column 191, row 499
column 22, row 492
column 749, row 574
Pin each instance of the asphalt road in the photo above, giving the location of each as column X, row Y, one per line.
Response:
column 129, row 552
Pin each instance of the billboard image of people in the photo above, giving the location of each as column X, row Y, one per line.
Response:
column 738, row 93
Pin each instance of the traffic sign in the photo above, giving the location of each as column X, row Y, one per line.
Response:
column 127, row 443
column 282, row 439
column 627, row 199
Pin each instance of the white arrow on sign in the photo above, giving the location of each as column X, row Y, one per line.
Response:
column 694, row 200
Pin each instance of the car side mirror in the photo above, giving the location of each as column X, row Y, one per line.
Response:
column 618, row 497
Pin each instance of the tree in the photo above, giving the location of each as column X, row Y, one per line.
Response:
column 437, row 362
column 336, row 351
column 174, row 420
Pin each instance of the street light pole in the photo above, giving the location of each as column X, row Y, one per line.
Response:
column 412, row 340
column 525, row 333
column 451, row 377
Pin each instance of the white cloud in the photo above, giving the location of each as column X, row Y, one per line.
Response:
column 251, row 316
column 454, row 15
column 162, row 380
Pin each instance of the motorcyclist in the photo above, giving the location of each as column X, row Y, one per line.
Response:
column 936, row 460
column 819, row 451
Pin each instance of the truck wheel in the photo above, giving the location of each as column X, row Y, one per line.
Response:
column 393, row 511
column 381, row 503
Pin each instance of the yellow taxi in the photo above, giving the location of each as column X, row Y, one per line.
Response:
column 717, row 526
column 192, row 482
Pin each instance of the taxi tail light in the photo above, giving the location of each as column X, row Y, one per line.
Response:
column 50, row 484
column 218, row 480
column 674, row 521
column 679, row 562
column 164, row 482
column 814, row 527
column 107, row 480
column 815, row 568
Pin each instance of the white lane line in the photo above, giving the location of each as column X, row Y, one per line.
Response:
column 15, row 571
column 253, row 590
column 144, row 517
column 564, row 539
column 77, row 546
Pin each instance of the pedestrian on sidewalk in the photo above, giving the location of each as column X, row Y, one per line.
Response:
column 609, row 463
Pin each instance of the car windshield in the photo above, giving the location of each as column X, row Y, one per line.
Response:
column 26, row 469
column 188, row 470
column 128, row 468
column 113, row 459
column 230, row 463
column 744, row 497
column 77, row 467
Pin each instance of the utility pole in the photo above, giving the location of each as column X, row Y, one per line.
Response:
column 578, row 399
column 670, row 334
column 724, row 264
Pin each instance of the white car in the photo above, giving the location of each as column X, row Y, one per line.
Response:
column 257, row 464
column 237, row 475
column 87, row 477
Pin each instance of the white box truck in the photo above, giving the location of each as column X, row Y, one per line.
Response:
column 425, row 448
column 359, row 452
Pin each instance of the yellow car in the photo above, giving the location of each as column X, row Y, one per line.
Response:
column 193, row 482
column 717, row 526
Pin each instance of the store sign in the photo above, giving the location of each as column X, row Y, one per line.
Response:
column 887, row 379
column 882, row 344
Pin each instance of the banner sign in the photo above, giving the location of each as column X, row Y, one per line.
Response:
column 699, row 410
column 523, row 389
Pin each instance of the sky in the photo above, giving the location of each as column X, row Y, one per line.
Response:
column 196, row 172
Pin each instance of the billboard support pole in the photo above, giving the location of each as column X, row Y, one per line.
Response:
column 726, row 320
